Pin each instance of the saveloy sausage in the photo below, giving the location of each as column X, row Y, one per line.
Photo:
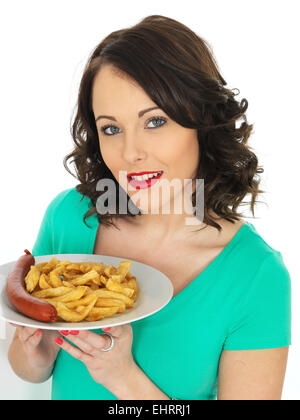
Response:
column 20, row 298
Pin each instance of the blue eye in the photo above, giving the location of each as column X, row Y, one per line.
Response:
column 105, row 128
column 155, row 119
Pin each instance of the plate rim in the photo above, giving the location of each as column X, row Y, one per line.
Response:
column 78, row 326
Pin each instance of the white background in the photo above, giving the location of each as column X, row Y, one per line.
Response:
column 44, row 47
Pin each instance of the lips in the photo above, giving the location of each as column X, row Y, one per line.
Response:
column 144, row 183
column 142, row 173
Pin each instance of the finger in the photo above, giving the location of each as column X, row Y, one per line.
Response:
column 25, row 333
column 90, row 342
column 119, row 330
column 74, row 351
column 114, row 331
column 18, row 327
column 14, row 325
column 35, row 339
column 64, row 332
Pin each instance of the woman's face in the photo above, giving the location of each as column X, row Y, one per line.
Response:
column 151, row 142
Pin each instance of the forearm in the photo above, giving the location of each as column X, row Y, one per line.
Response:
column 139, row 387
column 23, row 367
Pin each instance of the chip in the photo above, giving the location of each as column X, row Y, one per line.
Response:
column 83, row 291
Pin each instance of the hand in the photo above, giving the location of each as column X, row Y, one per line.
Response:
column 111, row 369
column 38, row 345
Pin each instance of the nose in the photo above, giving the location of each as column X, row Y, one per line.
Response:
column 133, row 150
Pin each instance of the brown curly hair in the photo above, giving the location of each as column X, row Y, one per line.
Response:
column 177, row 69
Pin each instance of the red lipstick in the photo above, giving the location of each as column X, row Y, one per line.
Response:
column 143, row 184
column 142, row 173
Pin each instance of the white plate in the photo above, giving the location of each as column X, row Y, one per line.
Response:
column 155, row 292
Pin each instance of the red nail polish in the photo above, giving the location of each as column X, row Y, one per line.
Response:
column 59, row 341
column 74, row 332
column 64, row 332
column 106, row 329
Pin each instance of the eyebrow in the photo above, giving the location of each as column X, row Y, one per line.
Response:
column 140, row 114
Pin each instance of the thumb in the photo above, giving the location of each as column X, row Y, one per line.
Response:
column 36, row 338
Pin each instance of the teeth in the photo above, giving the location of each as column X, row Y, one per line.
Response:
column 144, row 177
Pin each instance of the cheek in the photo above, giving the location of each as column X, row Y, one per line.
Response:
column 182, row 156
column 109, row 156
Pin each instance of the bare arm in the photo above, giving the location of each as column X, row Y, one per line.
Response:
column 32, row 355
column 252, row 374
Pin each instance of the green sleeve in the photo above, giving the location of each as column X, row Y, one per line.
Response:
column 44, row 242
column 263, row 320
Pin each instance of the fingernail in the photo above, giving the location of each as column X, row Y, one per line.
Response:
column 59, row 341
column 38, row 333
column 74, row 332
column 64, row 332
column 106, row 329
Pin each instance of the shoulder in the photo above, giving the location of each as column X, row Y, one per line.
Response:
column 247, row 247
column 273, row 275
column 253, row 249
column 263, row 271
column 252, row 265
column 68, row 207
column 63, row 229
column 66, row 200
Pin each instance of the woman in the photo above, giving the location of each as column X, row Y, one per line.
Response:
column 152, row 99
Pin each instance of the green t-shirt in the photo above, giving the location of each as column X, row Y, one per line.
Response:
column 241, row 301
